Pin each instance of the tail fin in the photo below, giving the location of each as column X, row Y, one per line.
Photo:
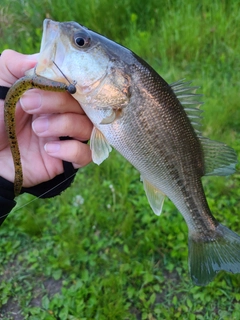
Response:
column 207, row 258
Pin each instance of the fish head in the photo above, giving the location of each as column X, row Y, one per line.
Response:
column 71, row 53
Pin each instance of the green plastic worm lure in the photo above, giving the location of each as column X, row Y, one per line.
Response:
column 13, row 95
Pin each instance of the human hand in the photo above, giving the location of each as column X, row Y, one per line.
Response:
column 41, row 117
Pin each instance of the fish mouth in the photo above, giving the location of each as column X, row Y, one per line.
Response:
column 52, row 51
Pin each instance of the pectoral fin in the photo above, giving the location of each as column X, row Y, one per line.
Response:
column 155, row 197
column 116, row 113
column 99, row 146
column 110, row 118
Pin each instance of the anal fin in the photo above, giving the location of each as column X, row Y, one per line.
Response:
column 155, row 197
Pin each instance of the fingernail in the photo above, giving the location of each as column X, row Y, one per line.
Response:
column 31, row 101
column 40, row 125
column 52, row 147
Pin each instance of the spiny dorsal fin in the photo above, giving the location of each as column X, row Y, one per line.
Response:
column 187, row 96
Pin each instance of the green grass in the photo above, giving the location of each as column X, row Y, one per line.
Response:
column 97, row 251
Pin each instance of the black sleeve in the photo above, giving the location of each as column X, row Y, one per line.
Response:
column 3, row 92
column 6, row 198
column 55, row 186
column 47, row 189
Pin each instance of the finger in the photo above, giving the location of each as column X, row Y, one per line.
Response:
column 67, row 124
column 70, row 150
column 41, row 102
column 14, row 65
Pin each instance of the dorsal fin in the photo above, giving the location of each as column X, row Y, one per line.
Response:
column 187, row 96
column 219, row 159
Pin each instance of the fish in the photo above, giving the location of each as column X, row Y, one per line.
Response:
column 156, row 126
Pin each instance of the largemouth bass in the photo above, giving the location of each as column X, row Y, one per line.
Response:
column 154, row 125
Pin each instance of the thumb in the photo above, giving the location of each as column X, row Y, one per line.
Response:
column 13, row 66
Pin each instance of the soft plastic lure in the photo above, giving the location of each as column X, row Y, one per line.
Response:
column 13, row 95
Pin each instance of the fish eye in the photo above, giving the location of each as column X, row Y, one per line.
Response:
column 82, row 40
